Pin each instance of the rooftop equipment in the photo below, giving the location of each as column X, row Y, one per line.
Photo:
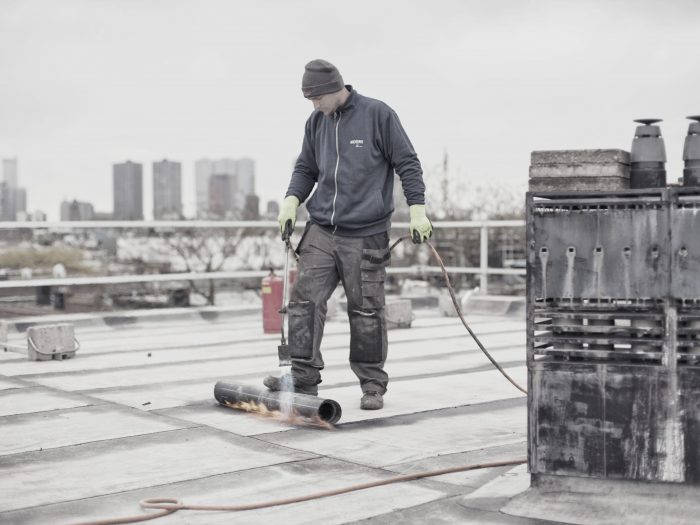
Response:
column 648, row 156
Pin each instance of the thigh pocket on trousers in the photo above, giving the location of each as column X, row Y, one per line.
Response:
column 301, row 328
column 366, row 336
column 373, row 275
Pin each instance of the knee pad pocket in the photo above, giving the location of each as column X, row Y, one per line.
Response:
column 367, row 340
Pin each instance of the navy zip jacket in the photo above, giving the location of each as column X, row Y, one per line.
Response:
column 351, row 156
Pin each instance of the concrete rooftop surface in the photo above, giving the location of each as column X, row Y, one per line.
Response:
column 132, row 416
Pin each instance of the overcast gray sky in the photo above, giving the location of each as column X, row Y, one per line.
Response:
column 85, row 83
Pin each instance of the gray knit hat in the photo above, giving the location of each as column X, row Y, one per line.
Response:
column 320, row 77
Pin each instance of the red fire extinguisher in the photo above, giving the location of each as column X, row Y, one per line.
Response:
column 272, row 291
column 271, row 303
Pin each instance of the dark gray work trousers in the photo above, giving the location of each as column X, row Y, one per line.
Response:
column 360, row 264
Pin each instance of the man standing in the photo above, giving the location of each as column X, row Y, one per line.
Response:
column 352, row 146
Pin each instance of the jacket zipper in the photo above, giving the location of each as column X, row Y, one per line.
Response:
column 335, row 175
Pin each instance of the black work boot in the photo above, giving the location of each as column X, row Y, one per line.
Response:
column 285, row 382
column 371, row 400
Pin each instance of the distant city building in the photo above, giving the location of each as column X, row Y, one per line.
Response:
column 241, row 183
column 77, row 211
column 13, row 199
column 220, row 196
column 167, row 190
column 246, row 173
column 251, row 210
column 20, row 200
column 127, row 181
column 7, row 202
column 237, row 200
column 225, row 167
column 203, row 169
column 273, row 210
column 37, row 216
column 224, row 206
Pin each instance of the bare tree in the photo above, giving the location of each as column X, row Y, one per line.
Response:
column 206, row 250
column 452, row 197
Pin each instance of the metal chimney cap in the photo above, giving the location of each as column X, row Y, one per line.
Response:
column 649, row 121
column 694, row 127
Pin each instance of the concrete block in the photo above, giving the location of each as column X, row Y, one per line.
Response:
column 586, row 170
column 53, row 341
column 578, row 184
column 579, row 170
column 399, row 314
column 580, row 156
column 422, row 301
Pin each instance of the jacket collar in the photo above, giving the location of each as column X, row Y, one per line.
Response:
column 350, row 102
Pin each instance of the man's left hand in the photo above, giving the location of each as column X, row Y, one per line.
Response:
column 420, row 227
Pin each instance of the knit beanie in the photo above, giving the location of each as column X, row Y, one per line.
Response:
column 320, row 77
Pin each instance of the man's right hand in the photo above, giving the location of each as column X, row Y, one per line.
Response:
column 288, row 216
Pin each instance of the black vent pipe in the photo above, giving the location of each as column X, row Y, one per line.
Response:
column 691, row 154
column 648, row 156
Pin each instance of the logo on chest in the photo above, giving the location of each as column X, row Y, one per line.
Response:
column 358, row 143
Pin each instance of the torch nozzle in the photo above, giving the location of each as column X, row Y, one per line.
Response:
column 284, row 355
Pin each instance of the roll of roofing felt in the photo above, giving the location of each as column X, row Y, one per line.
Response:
column 252, row 398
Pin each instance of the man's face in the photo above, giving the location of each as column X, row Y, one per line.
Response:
column 326, row 104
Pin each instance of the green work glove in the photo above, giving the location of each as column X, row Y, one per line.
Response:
column 288, row 216
column 421, row 228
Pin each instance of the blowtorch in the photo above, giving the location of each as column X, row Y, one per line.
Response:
column 283, row 350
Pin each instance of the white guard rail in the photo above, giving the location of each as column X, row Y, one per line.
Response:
column 483, row 270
